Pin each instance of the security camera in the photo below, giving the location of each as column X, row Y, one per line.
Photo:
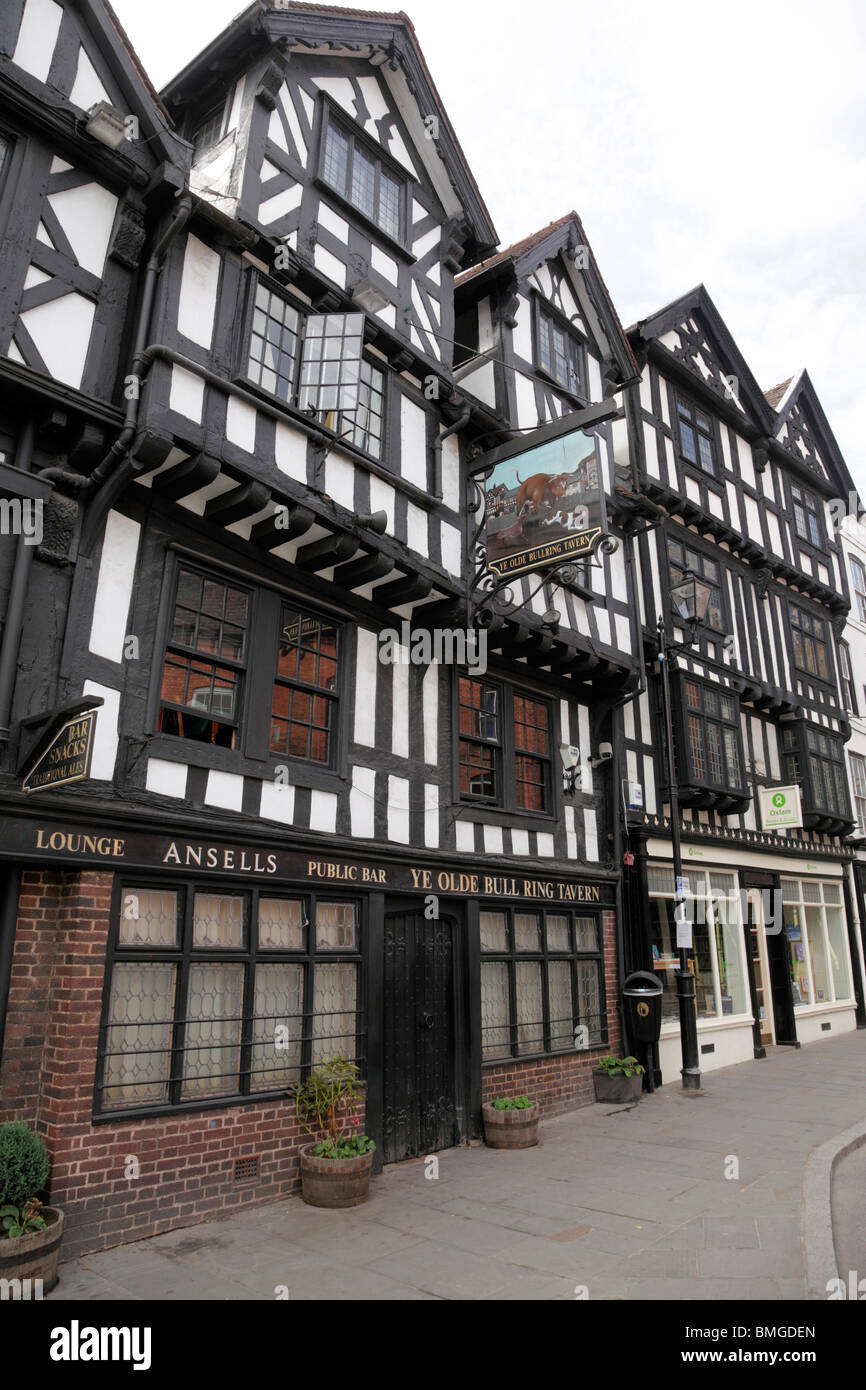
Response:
column 605, row 753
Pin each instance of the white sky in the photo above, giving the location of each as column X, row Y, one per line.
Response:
column 722, row 144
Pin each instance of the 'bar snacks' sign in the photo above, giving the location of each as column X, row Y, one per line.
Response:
column 67, row 757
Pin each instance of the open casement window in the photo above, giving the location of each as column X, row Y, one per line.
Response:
column 560, row 353
column 683, row 560
column 696, row 436
column 216, row 994
column 814, row 919
column 807, row 515
column 809, row 642
column 352, row 168
column 205, row 660
column 858, row 576
column 542, row 978
column 303, row 719
column 712, row 719
column 504, row 747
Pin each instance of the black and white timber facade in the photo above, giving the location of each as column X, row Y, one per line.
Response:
column 251, row 358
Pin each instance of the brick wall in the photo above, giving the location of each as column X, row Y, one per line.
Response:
column 562, row 1083
column 116, row 1182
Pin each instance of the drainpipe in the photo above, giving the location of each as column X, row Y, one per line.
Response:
column 17, row 595
column 85, row 485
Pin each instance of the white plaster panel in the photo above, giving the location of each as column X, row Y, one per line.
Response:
column 241, row 424
column 340, row 480
column 493, row 839
column 323, row 811
column 522, row 333
column 366, row 672
column 431, row 815
column 520, row 842
column 452, row 549
column 464, row 834
column 400, row 702
column 224, row 789
column 114, row 585
column 430, row 703
column 86, row 215
column 337, row 226
column 747, row 467
column 416, row 528
column 413, row 443
column 544, row 846
column 451, row 472
column 187, row 394
column 87, row 89
column 590, row 828
column 280, row 204
column 166, row 778
column 398, row 810
column 105, row 736
column 61, row 331
column 385, row 265
column 290, row 452
column 382, row 500
column 362, row 802
column 278, row 802
column 37, row 37
column 330, row 266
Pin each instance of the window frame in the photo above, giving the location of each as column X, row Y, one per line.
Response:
column 858, row 780
column 795, row 612
column 686, row 711
column 185, row 954
column 799, row 758
column 254, row 721
column 304, row 311
column 809, row 504
column 689, row 404
column 505, row 800
column 823, row 905
column 858, row 584
column 545, row 320
column 380, row 157
column 686, row 543
column 510, row 956
column 702, row 905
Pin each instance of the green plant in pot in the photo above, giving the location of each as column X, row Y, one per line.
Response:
column 30, row 1234
column 335, row 1170
column 618, row 1080
column 510, row 1122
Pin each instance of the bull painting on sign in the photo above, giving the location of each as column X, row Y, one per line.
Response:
column 544, row 506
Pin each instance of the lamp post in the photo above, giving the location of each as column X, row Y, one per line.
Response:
column 690, row 598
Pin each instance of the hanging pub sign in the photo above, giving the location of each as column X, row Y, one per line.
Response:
column 544, row 496
column 64, row 754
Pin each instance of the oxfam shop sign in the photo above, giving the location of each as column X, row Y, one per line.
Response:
column 780, row 806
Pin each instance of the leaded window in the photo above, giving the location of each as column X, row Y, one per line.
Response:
column 713, row 737
column 352, row 169
column 273, row 347
column 697, row 437
column 560, row 354
column 807, row 513
column 303, row 718
column 809, row 640
column 684, row 560
column 815, row 758
column 219, row 993
column 504, row 752
column 542, row 983
column 205, row 660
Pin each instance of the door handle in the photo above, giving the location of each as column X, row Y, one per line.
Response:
column 428, row 1021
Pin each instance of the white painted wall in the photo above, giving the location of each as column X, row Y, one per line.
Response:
column 117, row 567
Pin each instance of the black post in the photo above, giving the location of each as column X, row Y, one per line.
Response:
column 691, row 1071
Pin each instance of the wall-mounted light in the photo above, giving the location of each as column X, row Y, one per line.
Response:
column 691, row 598
column 369, row 297
column 106, row 124
column 571, row 768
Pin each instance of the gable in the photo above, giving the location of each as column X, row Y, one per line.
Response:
column 803, row 430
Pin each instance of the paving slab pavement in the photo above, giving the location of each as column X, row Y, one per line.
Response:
column 676, row 1198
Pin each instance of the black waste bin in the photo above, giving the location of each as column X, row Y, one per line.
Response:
column 642, row 998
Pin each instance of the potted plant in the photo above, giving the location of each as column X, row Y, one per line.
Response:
column 30, row 1234
column 335, row 1171
column 510, row 1122
column 618, row 1079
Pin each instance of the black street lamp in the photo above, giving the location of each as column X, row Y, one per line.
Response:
column 690, row 598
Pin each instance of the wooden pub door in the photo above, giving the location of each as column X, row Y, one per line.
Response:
column 419, row 1100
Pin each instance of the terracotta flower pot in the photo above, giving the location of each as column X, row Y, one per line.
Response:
column 34, row 1256
column 617, row 1090
column 510, row 1129
column 335, row 1182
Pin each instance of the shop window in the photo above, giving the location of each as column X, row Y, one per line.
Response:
column 316, row 363
column 809, row 642
column 542, row 978
column 814, row 920
column 858, row 576
column 807, row 515
column 697, row 437
column 218, row 672
column 504, row 747
column 560, row 354
column 718, row 959
column 683, row 560
column 360, row 176
column 216, row 994
column 712, row 719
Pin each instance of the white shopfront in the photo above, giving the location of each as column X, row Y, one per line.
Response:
column 731, row 918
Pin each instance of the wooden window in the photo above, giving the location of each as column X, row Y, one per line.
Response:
column 858, row 779
column 858, row 575
column 354, row 171
column 849, row 689
column 209, row 132
column 542, row 979
column 217, row 993
column 504, row 752
column 807, row 515
column 304, row 713
column 816, row 760
column 683, row 560
column 205, row 660
column 697, row 436
column 809, row 642
column 273, row 343
column 560, row 354
column 713, row 737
